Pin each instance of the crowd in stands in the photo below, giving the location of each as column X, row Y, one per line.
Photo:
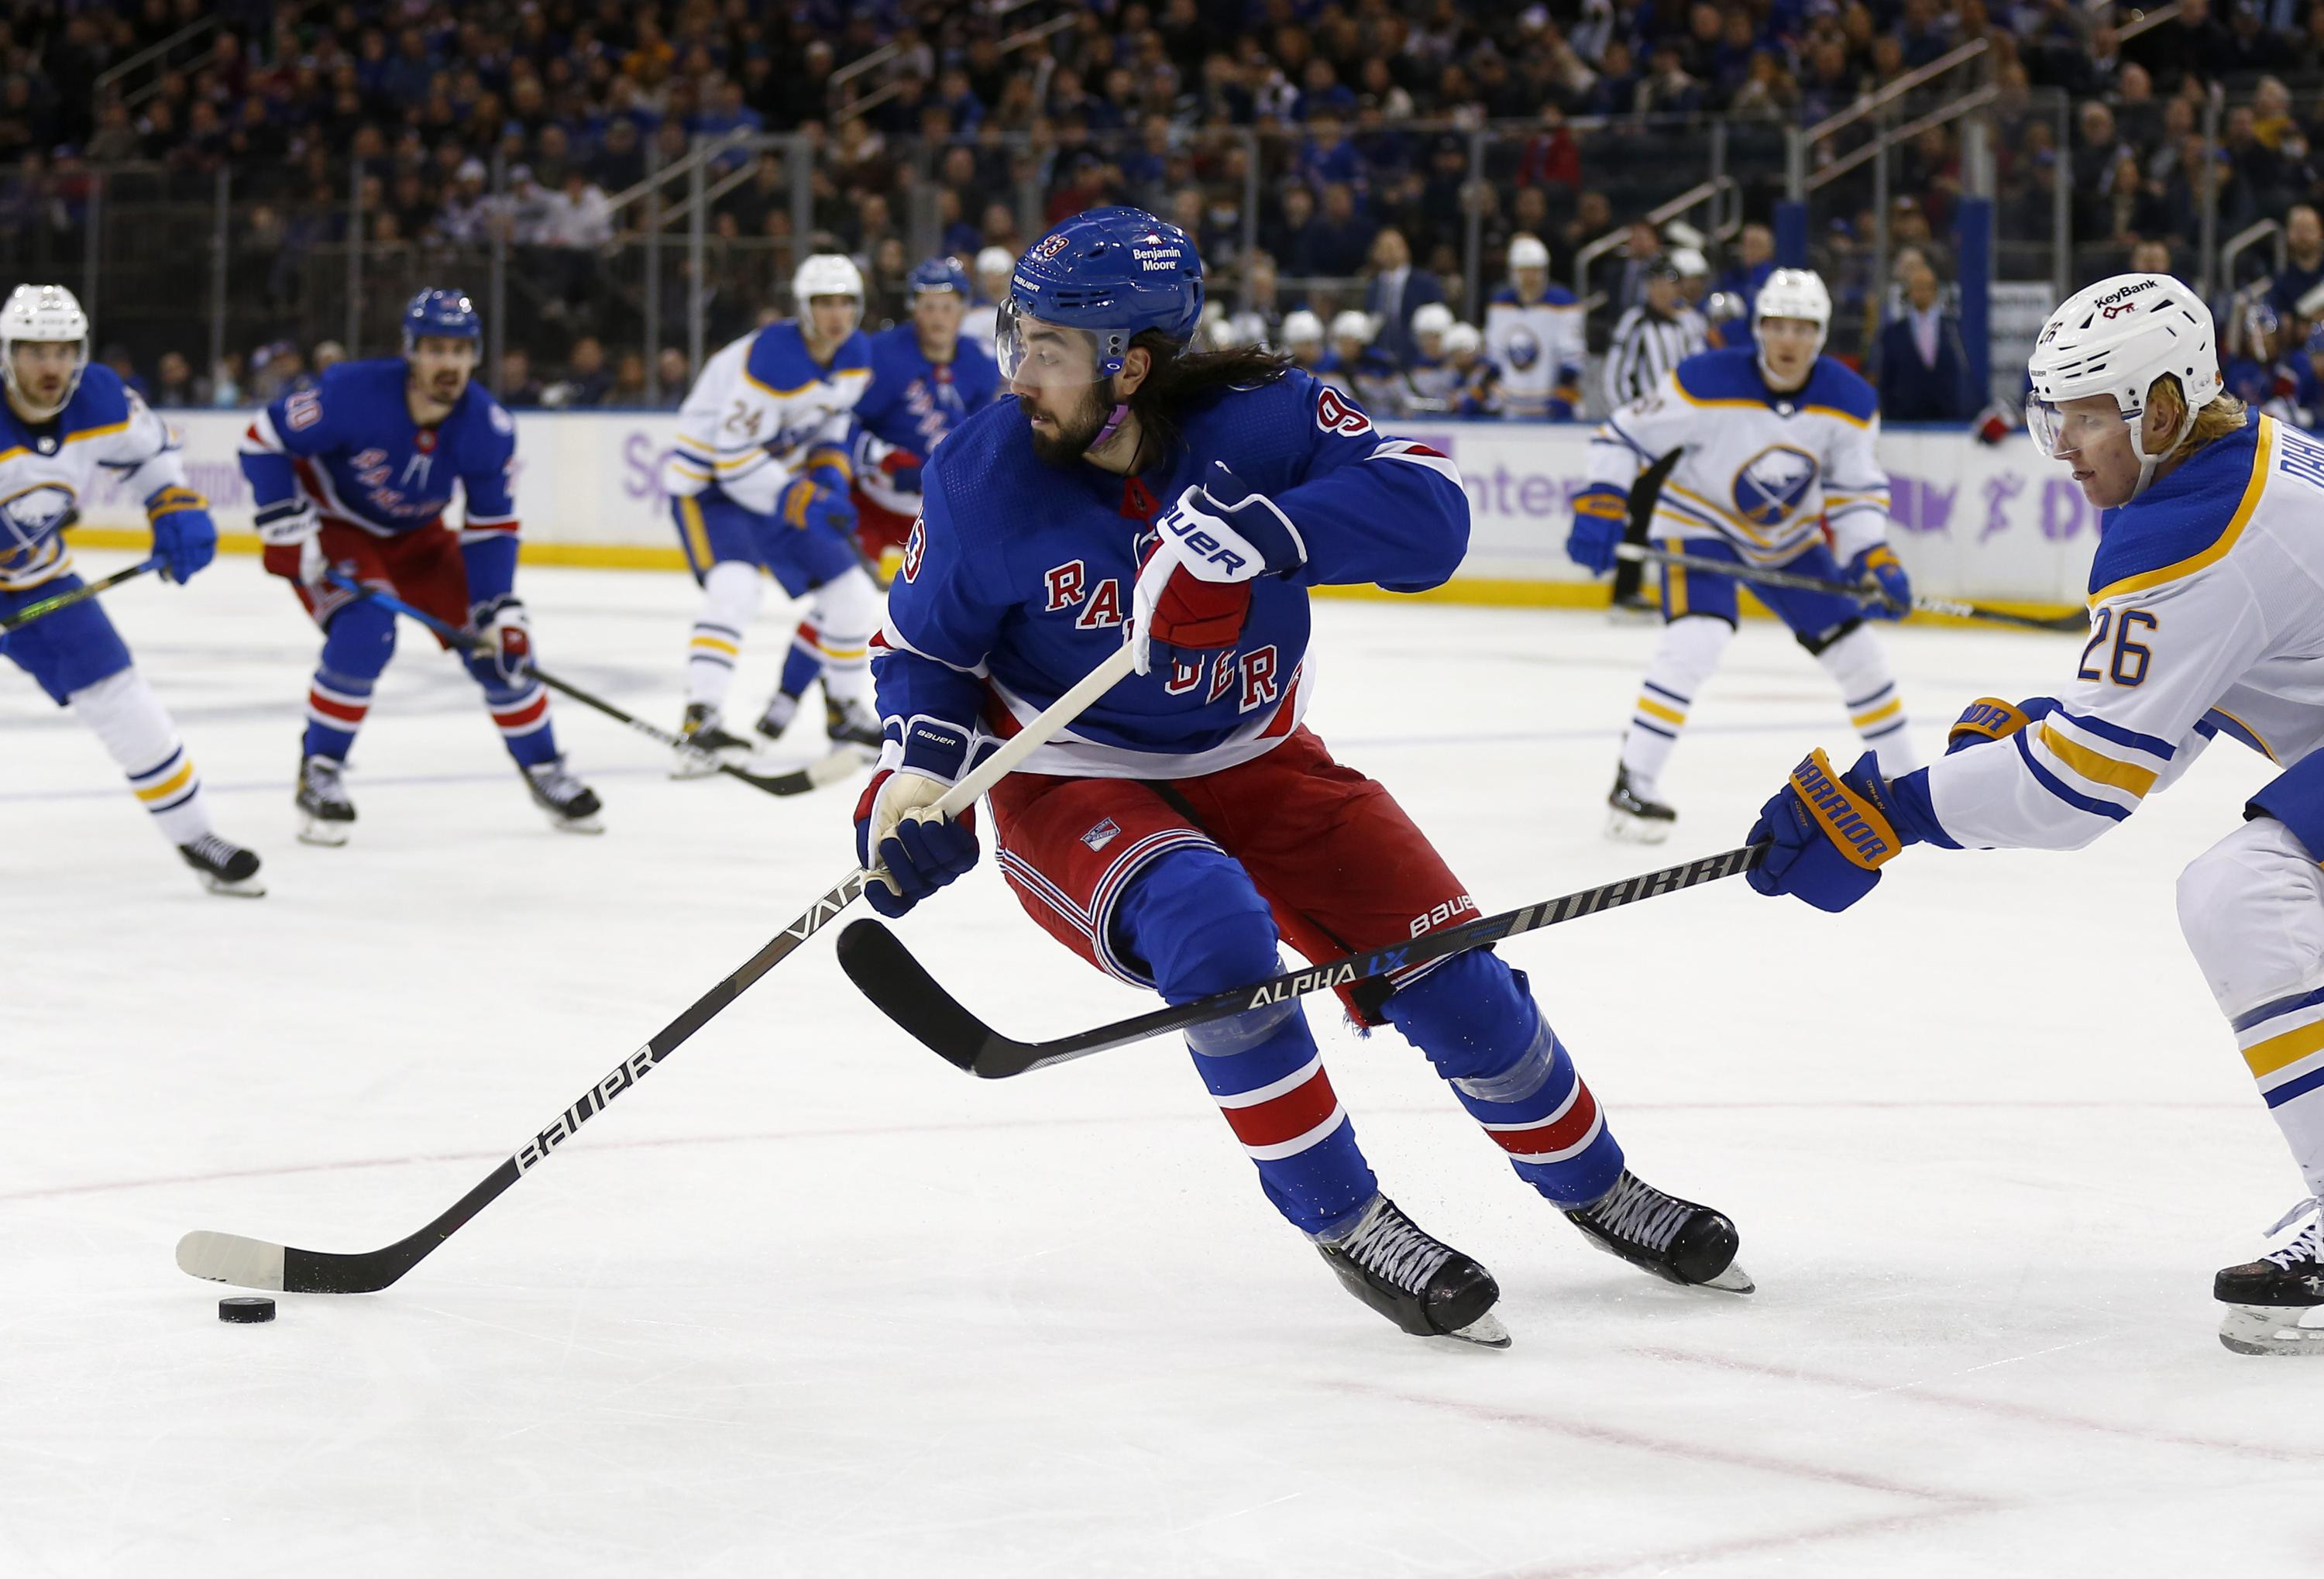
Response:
column 535, row 123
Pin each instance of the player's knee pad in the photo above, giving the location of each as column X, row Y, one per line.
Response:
column 848, row 606
column 360, row 640
column 1689, row 651
column 1472, row 1016
column 1200, row 925
column 121, row 711
column 2252, row 910
column 1820, row 642
column 732, row 592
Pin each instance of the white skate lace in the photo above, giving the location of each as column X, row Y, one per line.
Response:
column 553, row 782
column 214, row 850
column 321, row 781
column 2309, row 1245
column 1641, row 1214
column 1392, row 1247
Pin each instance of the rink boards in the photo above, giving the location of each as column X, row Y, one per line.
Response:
column 1987, row 522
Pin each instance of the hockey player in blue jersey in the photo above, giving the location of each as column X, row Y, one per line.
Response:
column 355, row 475
column 1189, row 822
column 759, row 483
column 64, row 422
column 927, row 379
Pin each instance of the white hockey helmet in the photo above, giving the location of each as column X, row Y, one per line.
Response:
column 1352, row 325
column 2117, row 337
column 1431, row 318
column 826, row 274
column 1689, row 263
column 1463, row 340
column 1527, row 252
column 995, row 263
column 1793, row 293
column 1301, row 327
column 47, row 315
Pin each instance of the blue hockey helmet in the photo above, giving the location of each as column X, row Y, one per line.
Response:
column 1111, row 272
column 937, row 274
column 448, row 314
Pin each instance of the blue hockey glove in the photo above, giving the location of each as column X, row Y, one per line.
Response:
column 500, row 624
column 1877, row 564
column 1989, row 718
column 1193, row 590
column 912, row 852
column 1601, row 513
column 1829, row 834
column 804, row 504
column 185, row 539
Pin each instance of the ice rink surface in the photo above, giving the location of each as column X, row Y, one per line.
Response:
column 811, row 1302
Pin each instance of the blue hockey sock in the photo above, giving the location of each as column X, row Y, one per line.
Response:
column 521, row 713
column 357, row 646
column 1476, row 1019
column 803, row 661
column 1200, row 927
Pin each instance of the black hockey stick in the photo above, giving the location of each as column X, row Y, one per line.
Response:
column 252, row 1263
column 827, row 770
column 49, row 605
column 884, row 970
column 1927, row 605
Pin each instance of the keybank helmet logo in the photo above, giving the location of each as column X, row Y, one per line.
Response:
column 2114, row 303
column 1770, row 485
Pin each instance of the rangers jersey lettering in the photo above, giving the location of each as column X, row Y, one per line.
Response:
column 760, row 408
column 1017, row 574
column 1763, row 472
column 912, row 402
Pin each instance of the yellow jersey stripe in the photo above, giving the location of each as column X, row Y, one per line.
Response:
column 810, row 384
column 2098, row 768
column 2266, row 1057
column 2263, row 453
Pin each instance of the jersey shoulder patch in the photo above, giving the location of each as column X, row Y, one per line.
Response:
column 1834, row 389
column 2190, row 519
column 1720, row 378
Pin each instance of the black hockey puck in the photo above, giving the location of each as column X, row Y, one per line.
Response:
column 247, row 1308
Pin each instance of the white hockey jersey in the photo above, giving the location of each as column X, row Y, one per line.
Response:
column 49, row 473
column 2207, row 612
column 1763, row 472
column 1538, row 347
column 760, row 407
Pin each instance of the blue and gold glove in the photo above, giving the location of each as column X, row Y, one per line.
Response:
column 1601, row 513
column 1878, row 565
column 804, row 504
column 185, row 539
column 1829, row 834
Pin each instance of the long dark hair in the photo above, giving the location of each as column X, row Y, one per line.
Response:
column 1182, row 380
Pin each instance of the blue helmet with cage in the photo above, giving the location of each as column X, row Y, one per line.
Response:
column 937, row 274
column 1111, row 272
column 447, row 314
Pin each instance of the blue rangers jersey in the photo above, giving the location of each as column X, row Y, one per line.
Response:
column 762, row 413
column 912, row 402
column 1018, row 577
column 50, row 470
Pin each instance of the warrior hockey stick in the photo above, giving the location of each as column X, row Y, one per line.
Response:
column 252, row 1263
column 1926, row 605
column 884, row 970
column 828, row 769
column 49, row 605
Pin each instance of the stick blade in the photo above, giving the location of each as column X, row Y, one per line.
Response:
column 843, row 763
column 229, row 1258
column 884, row 971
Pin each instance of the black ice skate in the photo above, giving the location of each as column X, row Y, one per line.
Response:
column 1635, row 818
column 1675, row 1239
column 327, row 816
column 225, row 867
column 571, row 804
column 701, row 732
column 1422, row 1284
column 781, row 709
column 2271, row 1300
column 852, row 724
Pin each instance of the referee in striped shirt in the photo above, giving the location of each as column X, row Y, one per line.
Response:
column 1651, row 338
